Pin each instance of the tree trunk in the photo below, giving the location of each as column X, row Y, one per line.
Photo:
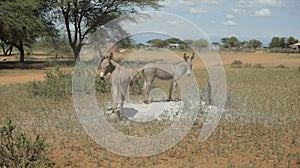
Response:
column 22, row 54
column 10, row 50
column 21, row 51
column 76, row 51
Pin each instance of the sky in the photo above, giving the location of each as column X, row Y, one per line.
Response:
column 244, row 19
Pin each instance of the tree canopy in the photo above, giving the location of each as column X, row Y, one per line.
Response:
column 83, row 17
column 22, row 21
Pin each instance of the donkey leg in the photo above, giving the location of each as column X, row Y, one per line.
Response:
column 121, row 114
column 170, row 90
column 175, row 84
column 147, row 85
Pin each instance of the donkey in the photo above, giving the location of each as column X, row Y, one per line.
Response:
column 171, row 72
column 120, row 80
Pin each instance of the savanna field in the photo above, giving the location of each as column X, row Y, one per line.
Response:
column 259, row 128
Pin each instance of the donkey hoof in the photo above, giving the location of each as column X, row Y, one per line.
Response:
column 146, row 101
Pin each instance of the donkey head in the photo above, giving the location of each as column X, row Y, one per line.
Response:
column 189, row 62
column 106, row 65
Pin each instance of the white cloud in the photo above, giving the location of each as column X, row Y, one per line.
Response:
column 188, row 3
column 263, row 12
column 239, row 11
column 230, row 16
column 164, row 3
column 200, row 2
column 197, row 11
column 260, row 3
column 229, row 23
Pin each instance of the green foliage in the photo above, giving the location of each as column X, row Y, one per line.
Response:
column 19, row 150
column 237, row 64
column 291, row 40
column 84, row 17
column 102, row 86
column 254, row 44
column 57, row 85
column 277, row 42
column 281, row 66
column 258, row 66
column 21, row 22
column 231, row 42
column 137, row 85
column 157, row 43
column 200, row 44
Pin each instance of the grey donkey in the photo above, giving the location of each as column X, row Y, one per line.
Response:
column 120, row 80
column 171, row 72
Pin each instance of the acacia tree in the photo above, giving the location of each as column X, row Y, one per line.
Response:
column 83, row 17
column 278, row 42
column 254, row 44
column 22, row 21
column 291, row 40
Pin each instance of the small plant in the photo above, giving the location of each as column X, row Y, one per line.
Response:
column 137, row 85
column 281, row 66
column 258, row 66
column 18, row 150
column 237, row 64
column 102, row 86
column 57, row 85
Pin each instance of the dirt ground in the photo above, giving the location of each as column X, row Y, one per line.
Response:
column 243, row 144
column 266, row 59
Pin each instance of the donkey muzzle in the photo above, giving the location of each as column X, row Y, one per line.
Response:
column 102, row 76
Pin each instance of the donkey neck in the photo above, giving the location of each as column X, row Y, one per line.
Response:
column 180, row 68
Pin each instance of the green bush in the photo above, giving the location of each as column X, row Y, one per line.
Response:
column 102, row 86
column 137, row 85
column 57, row 85
column 237, row 64
column 18, row 150
column 281, row 66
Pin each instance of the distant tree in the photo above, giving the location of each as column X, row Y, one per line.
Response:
column 127, row 42
column 188, row 42
column 225, row 42
column 254, row 44
column 231, row 42
column 22, row 21
column 291, row 40
column 173, row 41
column 83, row 17
column 277, row 42
column 140, row 45
column 200, row 44
column 234, row 42
column 157, row 43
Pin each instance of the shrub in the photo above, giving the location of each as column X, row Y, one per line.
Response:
column 281, row 66
column 137, row 85
column 237, row 64
column 57, row 85
column 102, row 86
column 258, row 66
column 18, row 150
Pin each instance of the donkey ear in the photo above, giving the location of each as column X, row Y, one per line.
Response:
column 193, row 56
column 111, row 55
column 185, row 57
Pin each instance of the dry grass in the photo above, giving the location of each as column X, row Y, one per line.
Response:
column 260, row 127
